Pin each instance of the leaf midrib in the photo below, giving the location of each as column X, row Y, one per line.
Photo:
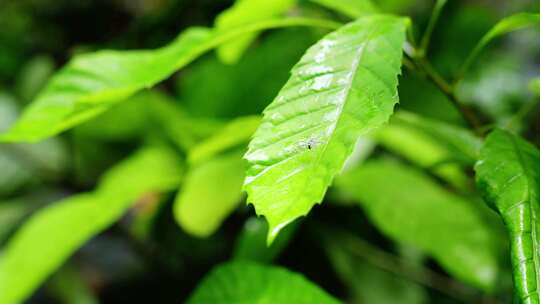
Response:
column 348, row 88
column 532, row 210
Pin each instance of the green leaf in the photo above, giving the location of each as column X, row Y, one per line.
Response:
column 69, row 286
column 211, row 191
column 497, row 87
column 244, row 12
column 90, row 83
column 508, row 174
column 247, row 282
column 368, row 284
column 506, row 25
column 462, row 143
column 534, row 86
column 181, row 128
column 438, row 146
column 416, row 211
column 422, row 151
column 49, row 237
column 234, row 133
column 351, row 8
column 251, row 243
column 343, row 87
column 123, row 121
column 229, row 83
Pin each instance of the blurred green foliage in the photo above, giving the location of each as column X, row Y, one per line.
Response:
column 133, row 191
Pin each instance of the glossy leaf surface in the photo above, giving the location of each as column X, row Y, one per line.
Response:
column 90, row 83
column 244, row 12
column 414, row 210
column 343, row 87
column 508, row 174
column 211, row 191
column 52, row 235
column 248, row 282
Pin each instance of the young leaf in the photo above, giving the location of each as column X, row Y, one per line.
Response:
column 53, row 234
column 248, row 282
column 90, row 83
column 211, row 191
column 244, row 12
column 351, row 8
column 534, row 86
column 508, row 174
column 343, row 87
column 506, row 25
column 414, row 210
column 234, row 133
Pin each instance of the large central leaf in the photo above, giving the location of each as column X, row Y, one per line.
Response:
column 344, row 86
column 508, row 173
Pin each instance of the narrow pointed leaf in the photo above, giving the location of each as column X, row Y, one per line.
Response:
column 412, row 209
column 212, row 190
column 91, row 83
column 506, row 25
column 52, row 235
column 351, row 8
column 248, row 282
column 508, row 174
column 343, row 87
column 244, row 12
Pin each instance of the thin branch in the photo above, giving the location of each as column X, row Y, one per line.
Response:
column 424, row 43
column 404, row 268
column 448, row 90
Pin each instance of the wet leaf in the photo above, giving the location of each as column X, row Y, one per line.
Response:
column 343, row 87
column 248, row 282
column 508, row 174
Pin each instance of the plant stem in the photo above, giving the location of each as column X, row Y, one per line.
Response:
column 424, row 43
column 448, row 90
